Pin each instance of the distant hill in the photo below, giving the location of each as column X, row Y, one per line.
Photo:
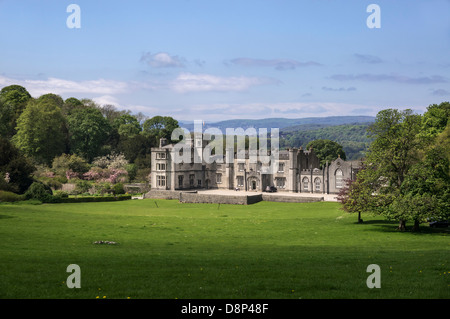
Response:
column 352, row 137
column 283, row 124
column 349, row 131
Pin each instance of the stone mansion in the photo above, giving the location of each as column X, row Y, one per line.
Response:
column 296, row 171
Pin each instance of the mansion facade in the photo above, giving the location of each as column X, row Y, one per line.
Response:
column 296, row 170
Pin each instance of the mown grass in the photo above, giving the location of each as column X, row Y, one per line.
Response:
column 171, row 250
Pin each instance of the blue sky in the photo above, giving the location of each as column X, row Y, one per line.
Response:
column 225, row 59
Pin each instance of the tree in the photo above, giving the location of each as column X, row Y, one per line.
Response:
column 326, row 150
column 425, row 193
column 392, row 153
column 127, row 126
column 13, row 100
column 74, row 164
column 41, row 129
column 158, row 127
column 406, row 173
column 356, row 196
column 88, row 131
column 435, row 119
column 15, row 168
column 70, row 105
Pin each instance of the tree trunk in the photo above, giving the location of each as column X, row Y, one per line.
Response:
column 402, row 225
column 359, row 218
column 416, row 225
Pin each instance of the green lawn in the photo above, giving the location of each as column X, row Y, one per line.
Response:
column 171, row 250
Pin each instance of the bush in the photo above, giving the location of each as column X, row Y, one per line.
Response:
column 82, row 186
column 40, row 192
column 118, row 189
column 6, row 196
column 94, row 199
column 61, row 194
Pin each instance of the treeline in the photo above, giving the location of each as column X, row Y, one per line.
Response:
column 54, row 140
column 406, row 173
column 354, row 139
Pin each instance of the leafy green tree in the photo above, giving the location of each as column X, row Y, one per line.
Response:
column 326, row 150
column 134, row 147
column 127, row 126
column 70, row 105
column 13, row 100
column 356, row 196
column 406, row 173
column 69, row 162
column 41, row 129
column 392, row 154
column 88, row 132
column 15, row 168
column 158, row 127
column 425, row 193
column 435, row 119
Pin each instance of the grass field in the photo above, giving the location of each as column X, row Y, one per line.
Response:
column 171, row 250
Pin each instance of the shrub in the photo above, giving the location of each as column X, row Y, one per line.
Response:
column 82, row 186
column 95, row 199
column 40, row 192
column 118, row 189
column 61, row 194
column 6, row 196
column 72, row 163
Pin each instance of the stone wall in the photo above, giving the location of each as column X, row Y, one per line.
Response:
column 219, row 199
column 290, row 199
column 195, row 197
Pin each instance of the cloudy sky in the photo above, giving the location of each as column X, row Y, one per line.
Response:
column 224, row 59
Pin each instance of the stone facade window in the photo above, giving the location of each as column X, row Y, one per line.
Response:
column 160, row 166
column 240, row 180
column 317, row 183
column 339, row 178
column 305, row 183
column 280, row 182
column 161, row 181
column 160, row 155
column 218, row 178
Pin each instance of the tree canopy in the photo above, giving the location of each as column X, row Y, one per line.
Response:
column 326, row 150
column 405, row 176
column 41, row 129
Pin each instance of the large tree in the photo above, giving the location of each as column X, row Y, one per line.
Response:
column 158, row 127
column 13, row 100
column 326, row 150
column 41, row 129
column 15, row 168
column 88, row 132
column 405, row 177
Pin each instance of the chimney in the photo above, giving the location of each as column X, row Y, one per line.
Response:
column 162, row 142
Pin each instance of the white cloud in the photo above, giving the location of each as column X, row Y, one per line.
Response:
column 61, row 86
column 218, row 112
column 188, row 82
column 162, row 60
column 278, row 64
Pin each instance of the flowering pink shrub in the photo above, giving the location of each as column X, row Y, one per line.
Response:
column 71, row 174
column 112, row 176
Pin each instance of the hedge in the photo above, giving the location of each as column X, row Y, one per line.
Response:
column 93, row 199
column 6, row 196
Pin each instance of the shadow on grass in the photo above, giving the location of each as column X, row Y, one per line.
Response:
column 392, row 226
column 6, row 216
